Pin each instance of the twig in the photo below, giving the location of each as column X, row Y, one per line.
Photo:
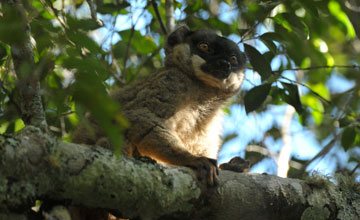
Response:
column 308, row 87
column 67, row 113
column 322, row 153
column 54, row 10
column 123, row 75
column 93, row 13
column 320, row 67
column 60, row 20
column 159, row 16
column 356, row 167
column 243, row 37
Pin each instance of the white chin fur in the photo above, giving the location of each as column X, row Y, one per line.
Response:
column 233, row 82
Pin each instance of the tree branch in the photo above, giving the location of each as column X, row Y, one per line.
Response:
column 34, row 166
column 170, row 20
column 285, row 151
column 41, row 167
column 32, row 112
column 163, row 28
column 93, row 13
column 308, row 87
column 322, row 153
column 320, row 67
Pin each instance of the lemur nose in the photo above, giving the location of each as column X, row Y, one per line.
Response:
column 224, row 64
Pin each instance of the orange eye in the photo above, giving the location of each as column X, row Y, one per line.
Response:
column 204, row 47
column 233, row 59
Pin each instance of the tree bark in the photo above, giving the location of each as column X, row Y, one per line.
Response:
column 32, row 112
column 169, row 11
column 35, row 165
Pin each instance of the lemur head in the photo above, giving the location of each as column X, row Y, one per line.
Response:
column 215, row 60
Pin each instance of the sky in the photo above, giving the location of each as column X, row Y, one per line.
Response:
column 254, row 125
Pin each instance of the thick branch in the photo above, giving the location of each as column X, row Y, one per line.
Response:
column 28, row 84
column 169, row 11
column 37, row 166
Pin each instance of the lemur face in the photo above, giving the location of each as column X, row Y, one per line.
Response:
column 215, row 60
column 221, row 56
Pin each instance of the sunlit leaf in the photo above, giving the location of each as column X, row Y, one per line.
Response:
column 335, row 10
column 279, row 18
column 3, row 51
column 321, row 89
column 291, row 22
column 316, row 106
column 19, row 124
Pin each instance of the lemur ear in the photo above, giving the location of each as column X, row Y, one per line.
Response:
column 178, row 36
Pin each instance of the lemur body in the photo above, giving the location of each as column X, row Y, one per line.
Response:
column 175, row 113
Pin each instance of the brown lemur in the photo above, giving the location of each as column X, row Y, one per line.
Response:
column 175, row 113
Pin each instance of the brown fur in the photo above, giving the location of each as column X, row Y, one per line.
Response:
column 174, row 114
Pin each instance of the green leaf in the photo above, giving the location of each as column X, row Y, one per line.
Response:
column 229, row 137
column 269, row 44
column 82, row 24
column 309, row 5
column 348, row 138
column 114, row 9
column 292, row 23
column 316, row 106
column 268, row 39
column 256, row 96
column 3, row 52
column 142, row 44
column 119, row 49
column 242, row 32
column 258, row 62
column 344, row 122
column 292, row 97
column 82, row 40
column 336, row 11
column 12, row 29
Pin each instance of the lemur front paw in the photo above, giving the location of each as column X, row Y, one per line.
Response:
column 206, row 170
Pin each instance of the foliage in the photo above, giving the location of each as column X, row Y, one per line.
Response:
column 290, row 45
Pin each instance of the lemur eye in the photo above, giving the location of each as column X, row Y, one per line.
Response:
column 233, row 59
column 204, row 47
